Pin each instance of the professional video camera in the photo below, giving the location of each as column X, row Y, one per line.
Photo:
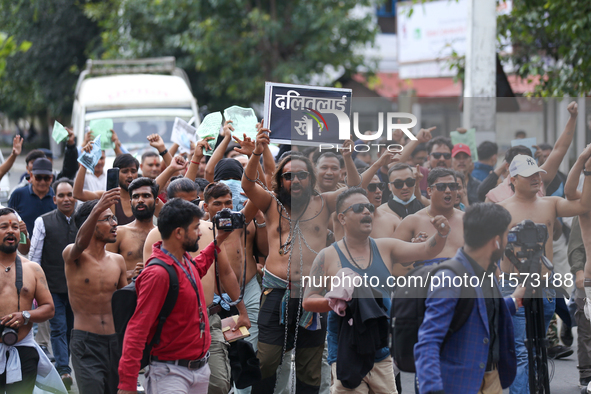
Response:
column 227, row 220
column 531, row 239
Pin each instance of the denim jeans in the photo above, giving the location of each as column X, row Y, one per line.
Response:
column 61, row 326
column 521, row 383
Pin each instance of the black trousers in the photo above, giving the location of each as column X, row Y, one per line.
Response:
column 29, row 360
column 95, row 359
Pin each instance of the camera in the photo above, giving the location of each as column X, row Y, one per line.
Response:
column 527, row 234
column 9, row 335
column 227, row 220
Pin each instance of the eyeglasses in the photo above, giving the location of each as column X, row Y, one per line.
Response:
column 372, row 187
column 437, row 155
column 453, row 186
column 196, row 201
column 399, row 183
column 301, row 175
column 110, row 219
column 45, row 178
column 360, row 207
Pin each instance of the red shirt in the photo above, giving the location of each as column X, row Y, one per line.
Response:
column 180, row 338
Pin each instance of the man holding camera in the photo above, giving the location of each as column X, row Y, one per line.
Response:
column 16, row 297
column 479, row 356
column 179, row 362
column 527, row 204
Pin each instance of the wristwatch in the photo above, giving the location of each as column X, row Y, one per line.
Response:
column 26, row 316
column 586, row 173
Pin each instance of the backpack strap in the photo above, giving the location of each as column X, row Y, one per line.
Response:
column 465, row 303
column 18, row 282
column 169, row 302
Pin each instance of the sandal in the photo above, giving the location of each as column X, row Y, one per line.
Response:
column 67, row 380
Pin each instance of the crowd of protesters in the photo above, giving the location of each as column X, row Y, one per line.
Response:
column 68, row 244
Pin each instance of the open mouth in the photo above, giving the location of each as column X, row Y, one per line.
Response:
column 447, row 199
column 10, row 239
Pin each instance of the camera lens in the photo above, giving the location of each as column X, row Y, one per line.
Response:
column 9, row 336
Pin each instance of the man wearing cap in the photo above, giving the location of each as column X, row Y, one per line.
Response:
column 526, row 181
column 462, row 162
column 36, row 198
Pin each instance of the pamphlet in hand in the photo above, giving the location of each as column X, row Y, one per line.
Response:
column 103, row 128
column 183, row 134
column 210, row 127
column 228, row 324
column 59, row 134
column 89, row 160
column 244, row 121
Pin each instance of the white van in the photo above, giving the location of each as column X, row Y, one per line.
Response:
column 142, row 97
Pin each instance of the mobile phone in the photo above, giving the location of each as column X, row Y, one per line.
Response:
column 113, row 178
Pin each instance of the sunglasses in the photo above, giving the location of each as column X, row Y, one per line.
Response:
column 399, row 183
column 360, row 207
column 301, row 175
column 453, row 186
column 437, row 155
column 372, row 187
column 45, row 178
column 110, row 219
column 196, row 201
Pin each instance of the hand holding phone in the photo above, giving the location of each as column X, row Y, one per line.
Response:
column 112, row 178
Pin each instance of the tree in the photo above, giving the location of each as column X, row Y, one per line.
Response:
column 230, row 48
column 42, row 79
column 550, row 41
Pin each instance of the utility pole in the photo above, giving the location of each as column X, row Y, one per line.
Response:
column 480, row 74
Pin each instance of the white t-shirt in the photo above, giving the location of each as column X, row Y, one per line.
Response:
column 93, row 183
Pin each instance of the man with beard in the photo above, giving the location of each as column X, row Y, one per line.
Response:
column 219, row 380
column 179, row 362
column 526, row 180
column 364, row 255
column 442, row 189
column 128, row 172
column 53, row 232
column 15, row 309
column 93, row 275
column 297, row 220
column 131, row 237
column 484, row 344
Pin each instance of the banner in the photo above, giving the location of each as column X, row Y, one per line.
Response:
column 304, row 115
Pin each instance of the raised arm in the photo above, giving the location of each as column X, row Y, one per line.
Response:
column 423, row 136
column 254, row 191
column 566, row 208
column 196, row 158
column 70, row 165
column 177, row 164
column 561, row 145
column 218, row 153
column 157, row 143
column 17, row 146
column 353, row 177
column 385, row 159
column 84, row 236
column 79, row 192
column 572, row 180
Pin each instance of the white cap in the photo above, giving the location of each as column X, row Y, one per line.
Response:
column 525, row 166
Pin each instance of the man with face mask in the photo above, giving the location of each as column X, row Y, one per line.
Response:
column 486, row 339
column 131, row 237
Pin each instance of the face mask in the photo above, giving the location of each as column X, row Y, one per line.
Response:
column 412, row 197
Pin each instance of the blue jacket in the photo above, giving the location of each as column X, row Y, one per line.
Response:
column 481, row 170
column 460, row 367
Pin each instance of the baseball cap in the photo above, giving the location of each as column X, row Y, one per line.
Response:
column 461, row 148
column 524, row 165
column 42, row 166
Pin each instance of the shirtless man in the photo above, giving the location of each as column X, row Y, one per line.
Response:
column 442, row 188
column 293, row 207
column 219, row 380
column 376, row 258
column 16, row 310
column 93, row 275
column 131, row 237
column 527, row 204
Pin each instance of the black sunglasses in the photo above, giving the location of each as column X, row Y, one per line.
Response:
column 45, row 178
column 196, row 201
column 372, row 187
column 301, row 175
column 437, row 155
column 360, row 207
column 399, row 183
column 453, row 186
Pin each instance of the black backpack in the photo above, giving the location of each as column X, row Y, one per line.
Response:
column 124, row 302
column 408, row 311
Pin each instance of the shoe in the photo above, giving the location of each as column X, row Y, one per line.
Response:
column 140, row 388
column 67, row 380
column 584, row 382
column 559, row 351
column 566, row 335
column 49, row 355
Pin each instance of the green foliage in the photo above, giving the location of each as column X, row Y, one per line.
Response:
column 231, row 47
column 43, row 78
column 551, row 41
column 9, row 47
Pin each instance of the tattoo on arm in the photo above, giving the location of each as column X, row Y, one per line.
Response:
column 433, row 242
column 318, row 265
